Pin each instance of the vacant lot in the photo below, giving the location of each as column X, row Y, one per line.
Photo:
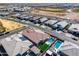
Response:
column 10, row 25
column 55, row 12
column 73, row 15
column 53, row 9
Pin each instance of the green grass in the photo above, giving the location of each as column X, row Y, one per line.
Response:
column 43, row 47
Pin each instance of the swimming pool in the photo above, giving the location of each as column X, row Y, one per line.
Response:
column 57, row 44
column 50, row 40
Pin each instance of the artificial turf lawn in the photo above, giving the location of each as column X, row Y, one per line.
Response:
column 43, row 47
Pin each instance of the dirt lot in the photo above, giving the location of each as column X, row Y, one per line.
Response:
column 49, row 13
column 68, row 15
column 10, row 25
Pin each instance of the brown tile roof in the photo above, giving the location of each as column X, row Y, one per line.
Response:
column 35, row 35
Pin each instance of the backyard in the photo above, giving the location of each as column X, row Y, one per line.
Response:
column 43, row 47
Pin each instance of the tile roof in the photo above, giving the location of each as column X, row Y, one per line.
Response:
column 35, row 35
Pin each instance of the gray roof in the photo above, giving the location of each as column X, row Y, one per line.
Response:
column 51, row 22
column 35, row 18
column 70, row 49
column 71, row 52
column 43, row 19
column 35, row 50
column 62, row 23
column 74, row 27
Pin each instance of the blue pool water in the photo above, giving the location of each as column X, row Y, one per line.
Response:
column 57, row 44
column 50, row 40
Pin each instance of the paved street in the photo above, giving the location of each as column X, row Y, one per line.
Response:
column 12, row 32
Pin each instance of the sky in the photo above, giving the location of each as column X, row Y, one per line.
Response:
column 39, row 1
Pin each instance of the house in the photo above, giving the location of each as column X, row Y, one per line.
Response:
column 60, row 25
column 4, row 13
column 43, row 19
column 35, row 50
column 74, row 29
column 35, row 35
column 69, row 49
column 34, row 19
column 50, row 23
column 13, row 45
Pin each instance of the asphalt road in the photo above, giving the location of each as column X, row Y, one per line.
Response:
column 12, row 32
